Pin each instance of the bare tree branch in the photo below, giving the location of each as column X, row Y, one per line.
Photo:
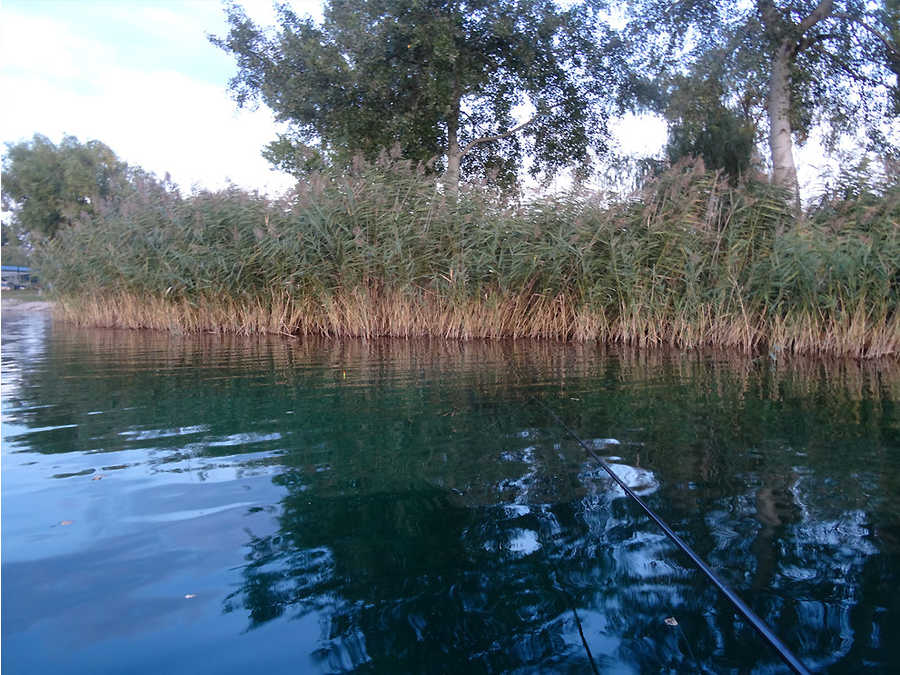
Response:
column 813, row 39
column 851, row 72
column 874, row 31
column 496, row 137
column 791, row 38
column 822, row 11
column 506, row 134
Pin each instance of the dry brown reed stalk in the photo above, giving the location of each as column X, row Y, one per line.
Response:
column 367, row 313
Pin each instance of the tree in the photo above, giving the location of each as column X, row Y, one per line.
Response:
column 793, row 64
column 702, row 125
column 441, row 79
column 48, row 186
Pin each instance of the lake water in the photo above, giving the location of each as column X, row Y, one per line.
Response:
column 184, row 504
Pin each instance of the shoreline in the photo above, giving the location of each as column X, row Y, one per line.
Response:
column 145, row 315
column 22, row 305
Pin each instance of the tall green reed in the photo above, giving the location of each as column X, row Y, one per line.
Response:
column 690, row 260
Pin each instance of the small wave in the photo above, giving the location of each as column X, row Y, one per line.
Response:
column 189, row 514
column 150, row 434
column 245, row 439
column 641, row 481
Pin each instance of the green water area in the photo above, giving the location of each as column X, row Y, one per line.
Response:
column 208, row 504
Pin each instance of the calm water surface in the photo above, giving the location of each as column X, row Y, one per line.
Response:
column 219, row 505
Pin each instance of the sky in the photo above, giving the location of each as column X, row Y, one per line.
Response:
column 142, row 77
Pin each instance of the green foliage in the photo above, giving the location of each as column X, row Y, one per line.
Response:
column 720, row 138
column 15, row 255
column 438, row 78
column 9, row 236
column 49, row 187
column 889, row 16
column 693, row 261
column 701, row 125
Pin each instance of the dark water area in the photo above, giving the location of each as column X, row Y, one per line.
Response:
column 184, row 504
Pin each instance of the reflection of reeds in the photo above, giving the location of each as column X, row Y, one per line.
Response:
column 509, row 363
column 693, row 262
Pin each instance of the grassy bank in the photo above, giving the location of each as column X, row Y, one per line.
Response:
column 691, row 261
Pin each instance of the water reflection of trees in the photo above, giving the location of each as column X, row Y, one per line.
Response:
column 427, row 580
column 417, row 480
column 423, row 580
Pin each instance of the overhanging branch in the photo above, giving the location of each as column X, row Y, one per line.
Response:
column 849, row 70
column 506, row 134
column 871, row 29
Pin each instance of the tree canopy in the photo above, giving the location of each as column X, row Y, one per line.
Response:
column 442, row 80
column 785, row 66
column 48, row 186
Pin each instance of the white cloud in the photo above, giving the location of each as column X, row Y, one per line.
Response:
column 45, row 48
column 56, row 81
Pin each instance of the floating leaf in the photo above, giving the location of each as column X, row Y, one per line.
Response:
column 97, row 478
column 65, row 522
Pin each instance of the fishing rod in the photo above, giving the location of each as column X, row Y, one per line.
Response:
column 571, row 602
column 761, row 627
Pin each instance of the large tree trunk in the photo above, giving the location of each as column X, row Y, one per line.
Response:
column 784, row 172
column 781, row 145
column 454, row 152
column 454, row 156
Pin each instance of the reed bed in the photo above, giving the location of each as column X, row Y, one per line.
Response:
column 690, row 261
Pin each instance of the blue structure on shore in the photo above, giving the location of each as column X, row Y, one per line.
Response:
column 17, row 276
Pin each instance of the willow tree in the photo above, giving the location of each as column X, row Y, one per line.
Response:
column 468, row 87
column 789, row 65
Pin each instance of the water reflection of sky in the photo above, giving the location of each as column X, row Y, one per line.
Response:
column 209, row 504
